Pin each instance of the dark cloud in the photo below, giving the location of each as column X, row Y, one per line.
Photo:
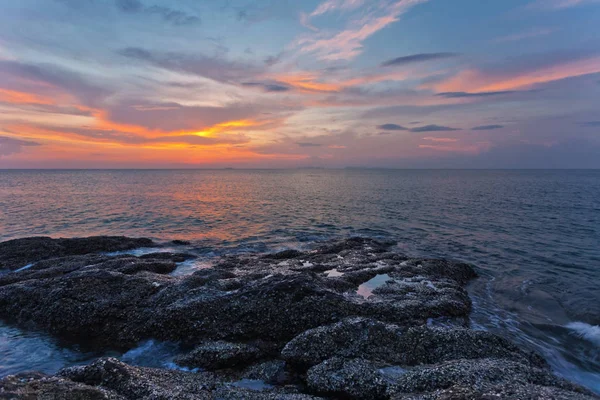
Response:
column 487, row 127
column 455, row 95
column 175, row 17
column 590, row 124
column 269, row 87
column 416, row 58
column 308, row 144
column 170, row 15
column 9, row 146
column 433, row 128
column 216, row 68
column 130, row 6
column 68, row 81
column 392, row 127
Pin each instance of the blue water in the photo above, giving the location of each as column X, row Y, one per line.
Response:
column 534, row 235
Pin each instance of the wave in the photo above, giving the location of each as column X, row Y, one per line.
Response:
column 586, row 331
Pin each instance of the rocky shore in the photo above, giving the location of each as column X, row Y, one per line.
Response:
column 349, row 320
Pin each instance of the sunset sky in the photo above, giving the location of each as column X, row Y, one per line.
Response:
column 288, row 83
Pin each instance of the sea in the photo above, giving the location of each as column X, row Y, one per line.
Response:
column 533, row 236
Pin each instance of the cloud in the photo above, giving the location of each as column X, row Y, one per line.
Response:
column 416, row 58
column 440, row 139
column 308, row 144
column 171, row 117
column 214, row 68
column 52, row 77
column 519, row 75
column 457, row 95
column 348, row 43
column 9, row 146
column 133, row 139
column 526, row 35
column 175, row 17
column 487, row 127
column 560, row 4
column 129, row 6
column 590, row 124
column 268, row 87
column 392, row 127
column 433, row 128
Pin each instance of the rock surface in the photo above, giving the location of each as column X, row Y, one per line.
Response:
column 18, row 253
column 351, row 319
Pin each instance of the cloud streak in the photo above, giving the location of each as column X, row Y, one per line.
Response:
column 417, row 58
column 10, row 146
column 348, row 43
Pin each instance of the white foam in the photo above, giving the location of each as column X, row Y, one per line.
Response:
column 585, row 331
column 25, row 267
column 333, row 273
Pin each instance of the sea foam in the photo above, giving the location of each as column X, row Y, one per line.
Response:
column 586, row 331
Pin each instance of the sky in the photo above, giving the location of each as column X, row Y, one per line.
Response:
column 287, row 83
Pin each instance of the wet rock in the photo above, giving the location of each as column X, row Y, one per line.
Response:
column 476, row 374
column 387, row 343
column 220, row 354
column 248, row 311
column 284, row 255
column 18, row 253
column 272, row 372
column 175, row 257
column 506, row 391
column 275, row 308
column 102, row 303
column 178, row 242
column 37, row 386
column 148, row 383
column 348, row 378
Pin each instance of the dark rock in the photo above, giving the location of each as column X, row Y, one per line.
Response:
column 37, row 386
column 476, row 374
column 217, row 355
column 175, row 257
column 348, row 378
column 178, row 242
column 17, row 253
column 136, row 383
column 240, row 314
column 284, row 255
column 272, row 372
column 103, row 303
column 505, row 391
column 386, row 343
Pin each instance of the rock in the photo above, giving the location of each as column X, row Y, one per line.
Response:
column 102, row 303
column 178, row 242
column 475, row 374
column 38, row 386
column 284, row 255
column 348, row 378
column 217, row 355
column 18, row 253
column 337, row 336
column 136, row 383
column 506, row 391
column 387, row 343
column 272, row 372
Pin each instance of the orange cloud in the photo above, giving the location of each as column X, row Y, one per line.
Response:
column 476, row 81
column 16, row 97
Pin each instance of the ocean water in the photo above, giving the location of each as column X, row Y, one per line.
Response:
column 533, row 235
